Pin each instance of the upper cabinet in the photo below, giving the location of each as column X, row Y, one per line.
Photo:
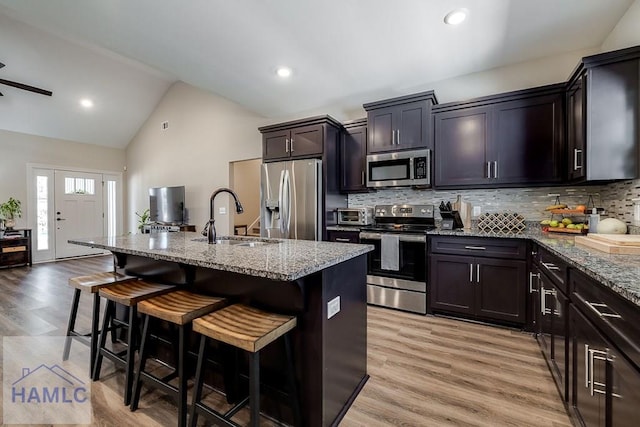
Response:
column 402, row 123
column 510, row 139
column 297, row 139
column 353, row 156
column 603, row 117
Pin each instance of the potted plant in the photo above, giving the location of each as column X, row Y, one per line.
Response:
column 143, row 219
column 9, row 210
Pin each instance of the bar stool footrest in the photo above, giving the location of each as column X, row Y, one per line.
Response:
column 217, row 416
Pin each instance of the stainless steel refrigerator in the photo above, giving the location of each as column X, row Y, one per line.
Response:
column 291, row 200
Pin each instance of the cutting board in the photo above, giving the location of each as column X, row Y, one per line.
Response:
column 618, row 239
column 610, row 248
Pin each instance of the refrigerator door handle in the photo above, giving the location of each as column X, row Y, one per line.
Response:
column 281, row 202
column 287, row 202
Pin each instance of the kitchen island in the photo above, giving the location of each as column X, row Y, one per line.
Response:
column 296, row 277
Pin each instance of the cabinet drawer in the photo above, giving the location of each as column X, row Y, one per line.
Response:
column 618, row 318
column 554, row 268
column 12, row 249
column 343, row 236
column 479, row 246
column 12, row 258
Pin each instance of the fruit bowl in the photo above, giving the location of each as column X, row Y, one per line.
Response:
column 546, row 228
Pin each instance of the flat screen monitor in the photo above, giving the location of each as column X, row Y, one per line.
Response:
column 166, row 205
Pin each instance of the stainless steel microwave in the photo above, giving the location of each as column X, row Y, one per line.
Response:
column 355, row 216
column 402, row 168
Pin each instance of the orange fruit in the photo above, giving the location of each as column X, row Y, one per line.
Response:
column 581, row 208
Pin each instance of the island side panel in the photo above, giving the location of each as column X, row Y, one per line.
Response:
column 344, row 336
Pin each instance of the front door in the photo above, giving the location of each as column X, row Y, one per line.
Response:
column 78, row 211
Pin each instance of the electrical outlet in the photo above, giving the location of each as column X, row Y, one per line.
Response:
column 222, row 211
column 333, row 307
column 477, row 211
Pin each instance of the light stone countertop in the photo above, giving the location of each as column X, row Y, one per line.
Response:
column 284, row 259
column 621, row 273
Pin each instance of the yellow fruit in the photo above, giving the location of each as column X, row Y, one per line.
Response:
column 561, row 225
column 553, row 223
column 545, row 221
column 567, row 221
column 572, row 226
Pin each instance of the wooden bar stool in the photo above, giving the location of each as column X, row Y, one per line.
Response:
column 128, row 294
column 249, row 329
column 178, row 308
column 91, row 283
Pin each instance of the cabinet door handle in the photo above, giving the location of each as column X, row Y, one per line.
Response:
column 362, row 178
column 286, row 145
column 543, row 300
column 593, row 356
column 342, row 239
column 393, row 137
column 398, row 138
column 488, row 169
column 550, row 266
column 291, row 145
column 531, row 276
column 577, row 166
column 476, row 248
column 593, row 305
column 586, row 365
column 495, row 169
column 471, row 273
column 477, row 273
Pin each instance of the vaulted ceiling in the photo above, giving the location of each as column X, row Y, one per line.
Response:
column 124, row 54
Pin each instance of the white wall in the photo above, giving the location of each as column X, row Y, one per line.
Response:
column 627, row 31
column 18, row 149
column 205, row 133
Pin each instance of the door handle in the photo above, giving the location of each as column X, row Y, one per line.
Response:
column 393, row 137
column 488, row 169
column 593, row 305
column 291, row 145
column 362, row 178
column 550, row 266
column 477, row 273
column 286, row 145
column 495, row 169
column 577, row 166
column 531, row 276
column 341, row 239
column 398, row 138
column 61, row 219
column 476, row 248
column 471, row 273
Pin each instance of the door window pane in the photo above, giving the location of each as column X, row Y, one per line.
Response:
column 111, row 209
column 42, row 208
column 79, row 186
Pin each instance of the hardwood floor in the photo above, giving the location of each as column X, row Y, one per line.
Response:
column 425, row 371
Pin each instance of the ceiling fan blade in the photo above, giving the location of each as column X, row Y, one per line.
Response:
column 26, row 87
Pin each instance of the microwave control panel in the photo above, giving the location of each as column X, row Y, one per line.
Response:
column 420, row 168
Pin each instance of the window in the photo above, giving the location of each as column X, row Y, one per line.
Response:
column 79, row 186
column 111, row 212
column 42, row 212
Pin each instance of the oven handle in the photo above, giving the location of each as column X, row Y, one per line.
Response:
column 402, row 237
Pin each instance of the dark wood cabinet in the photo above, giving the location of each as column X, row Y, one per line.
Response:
column 461, row 139
column 298, row 142
column 342, row 236
column 353, row 157
column 575, row 130
column 15, row 248
column 400, row 123
column 509, row 139
column 481, row 287
column 606, row 361
column 603, row 117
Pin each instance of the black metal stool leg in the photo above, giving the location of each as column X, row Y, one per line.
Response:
column 108, row 314
column 72, row 324
column 144, row 352
column 254, row 388
column 95, row 324
column 182, row 377
column 199, row 380
column 128, row 381
column 293, row 383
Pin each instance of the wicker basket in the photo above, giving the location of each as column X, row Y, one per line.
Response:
column 506, row 222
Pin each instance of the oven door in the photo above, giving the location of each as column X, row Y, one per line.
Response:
column 412, row 256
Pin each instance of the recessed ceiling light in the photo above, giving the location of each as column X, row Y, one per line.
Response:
column 456, row 16
column 283, row 72
column 86, row 103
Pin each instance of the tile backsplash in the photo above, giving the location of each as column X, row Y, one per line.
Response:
column 528, row 202
column 616, row 199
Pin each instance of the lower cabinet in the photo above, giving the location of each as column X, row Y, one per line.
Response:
column 482, row 288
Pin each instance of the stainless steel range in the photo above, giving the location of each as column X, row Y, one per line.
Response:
column 397, row 267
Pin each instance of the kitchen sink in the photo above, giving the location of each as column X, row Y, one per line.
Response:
column 238, row 242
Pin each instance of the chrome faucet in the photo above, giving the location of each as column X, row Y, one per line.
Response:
column 210, row 228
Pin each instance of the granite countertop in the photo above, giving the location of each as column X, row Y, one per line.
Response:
column 621, row 273
column 345, row 227
column 284, row 259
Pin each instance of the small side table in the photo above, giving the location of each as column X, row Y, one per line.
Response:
column 15, row 248
column 237, row 228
